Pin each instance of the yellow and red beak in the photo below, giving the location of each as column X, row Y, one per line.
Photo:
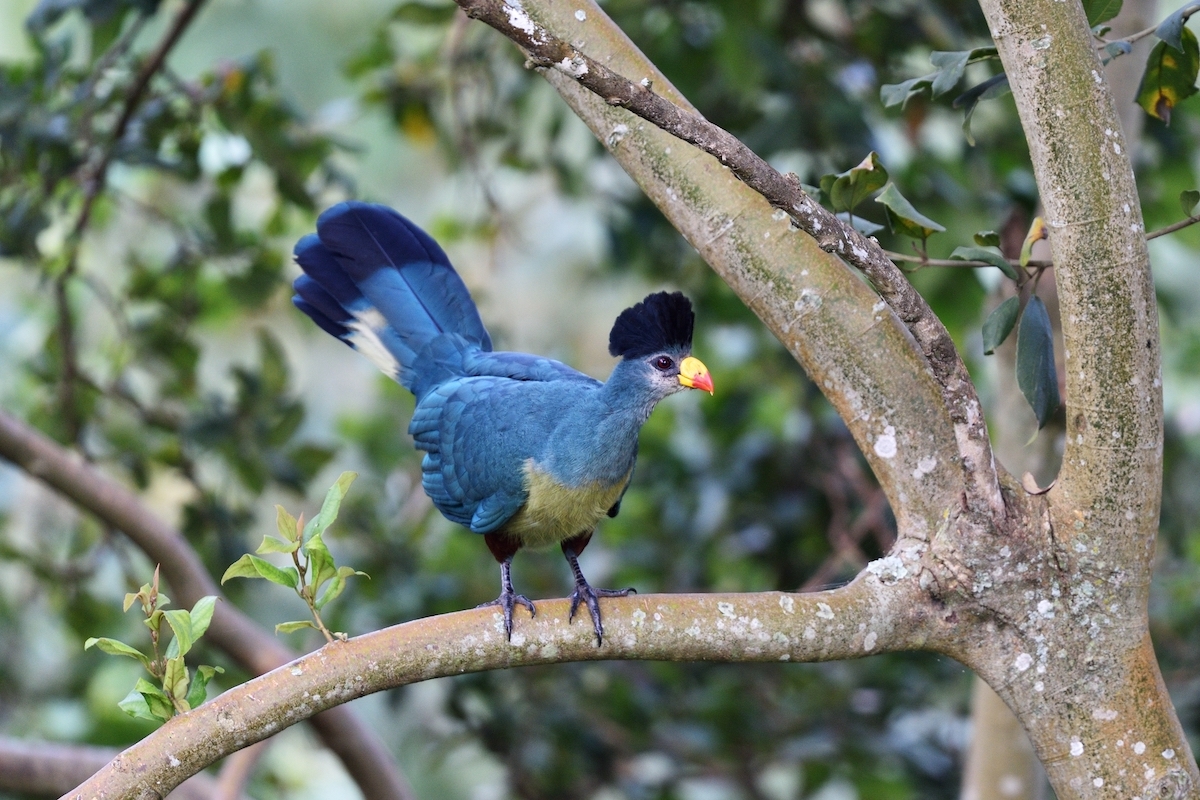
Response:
column 694, row 375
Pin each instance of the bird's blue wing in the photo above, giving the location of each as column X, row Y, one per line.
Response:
column 474, row 445
column 522, row 367
column 495, row 510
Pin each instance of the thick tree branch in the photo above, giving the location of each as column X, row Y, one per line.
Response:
column 863, row 618
column 784, row 193
column 255, row 649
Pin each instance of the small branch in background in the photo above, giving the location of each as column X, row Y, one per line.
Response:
column 65, row 326
column 52, row 769
column 784, row 193
column 923, row 261
column 1178, row 226
column 366, row 758
column 1142, row 34
column 236, row 772
column 845, row 484
column 93, row 181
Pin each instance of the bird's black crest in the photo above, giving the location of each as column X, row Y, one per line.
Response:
column 662, row 321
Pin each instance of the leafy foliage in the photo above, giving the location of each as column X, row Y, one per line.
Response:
column 314, row 576
column 177, row 690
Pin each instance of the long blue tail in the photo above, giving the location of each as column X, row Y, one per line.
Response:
column 383, row 286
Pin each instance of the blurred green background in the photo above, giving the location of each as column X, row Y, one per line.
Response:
column 202, row 387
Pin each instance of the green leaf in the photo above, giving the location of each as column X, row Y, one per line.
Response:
column 285, row 523
column 987, row 256
column 289, row 627
column 903, row 218
column 826, row 188
column 898, row 94
column 999, row 324
column 147, row 701
column 320, row 562
column 333, row 502
column 1036, row 374
column 863, row 226
column 1188, row 200
column 1100, row 10
column 857, row 183
column 198, row 691
column 993, row 87
column 202, row 614
column 249, row 566
column 1170, row 30
column 950, row 70
column 337, row 585
column 1170, row 76
column 987, row 239
column 136, row 706
column 271, row 544
column 116, row 648
column 175, row 681
column 181, row 623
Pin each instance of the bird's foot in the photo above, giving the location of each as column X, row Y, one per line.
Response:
column 589, row 596
column 507, row 601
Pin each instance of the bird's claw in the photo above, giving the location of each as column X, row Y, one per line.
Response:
column 589, row 596
column 507, row 601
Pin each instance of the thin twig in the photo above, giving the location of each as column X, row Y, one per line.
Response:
column 953, row 262
column 237, row 770
column 784, row 193
column 133, row 98
column 1142, row 34
column 94, row 186
column 1178, row 226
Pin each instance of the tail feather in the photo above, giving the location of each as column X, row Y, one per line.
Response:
column 379, row 283
column 402, row 271
column 335, row 329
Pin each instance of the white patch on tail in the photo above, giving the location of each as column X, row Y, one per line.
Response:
column 364, row 336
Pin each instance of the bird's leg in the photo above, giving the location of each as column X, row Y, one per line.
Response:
column 584, row 592
column 508, row 599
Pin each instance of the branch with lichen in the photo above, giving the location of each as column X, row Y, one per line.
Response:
column 874, row 614
column 784, row 193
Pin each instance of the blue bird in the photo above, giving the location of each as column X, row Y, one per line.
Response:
column 524, row 450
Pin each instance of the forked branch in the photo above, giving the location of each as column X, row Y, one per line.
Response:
column 784, row 193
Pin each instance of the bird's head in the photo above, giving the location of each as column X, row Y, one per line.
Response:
column 654, row 338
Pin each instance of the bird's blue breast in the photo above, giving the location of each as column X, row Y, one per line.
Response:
column 530, row 458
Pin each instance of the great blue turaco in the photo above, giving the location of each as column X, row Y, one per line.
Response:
column 519, row 448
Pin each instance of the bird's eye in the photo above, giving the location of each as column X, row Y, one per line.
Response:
column 664, row 363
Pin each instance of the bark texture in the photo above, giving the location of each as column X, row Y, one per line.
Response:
column 874, row 614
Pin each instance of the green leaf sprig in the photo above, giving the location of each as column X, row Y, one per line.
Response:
column 313, row 575
column 178, row 691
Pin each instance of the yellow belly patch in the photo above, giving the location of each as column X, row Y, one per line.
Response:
column 555, row 512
